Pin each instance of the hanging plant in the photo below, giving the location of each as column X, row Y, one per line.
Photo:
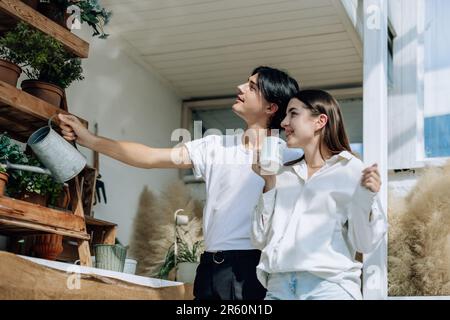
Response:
column 91, row 12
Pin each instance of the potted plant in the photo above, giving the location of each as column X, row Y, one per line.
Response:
column 11, row 152
column 185, row 262
column 48, row 246
column 10, row 60
column 3, row 180
column 51, row 69
column 91, row 12
column 34, row 187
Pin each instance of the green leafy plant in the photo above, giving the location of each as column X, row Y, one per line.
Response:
column 31, row 182
column 167, row 265
column 91, row 12
column 11, row 152
column 8, row 43
column 187, row 252
column 46, row 58
column 95, row 16
column 24, row 181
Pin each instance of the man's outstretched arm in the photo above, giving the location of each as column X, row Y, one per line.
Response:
column 131, row 153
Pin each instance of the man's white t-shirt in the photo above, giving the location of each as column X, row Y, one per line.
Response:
column 232, row 189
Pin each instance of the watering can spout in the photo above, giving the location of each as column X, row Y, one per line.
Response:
column 22, row 167
column 63, row 161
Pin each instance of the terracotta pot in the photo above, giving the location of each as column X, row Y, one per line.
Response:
column 9, row 72
column 45, row 91
column 33, row 197
column 3, row 182
column 48, row 246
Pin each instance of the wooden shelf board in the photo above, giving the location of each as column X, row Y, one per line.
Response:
column 21, row 113
column 11, row 227
column 25, row 212
column 96, row 222
column 14, row 10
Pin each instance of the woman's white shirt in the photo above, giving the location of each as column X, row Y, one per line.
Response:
column 318, row 224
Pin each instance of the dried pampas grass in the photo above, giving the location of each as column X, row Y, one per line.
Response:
column 419, row 237
column 154, row 225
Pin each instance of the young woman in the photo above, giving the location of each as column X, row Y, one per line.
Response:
column 319, row 211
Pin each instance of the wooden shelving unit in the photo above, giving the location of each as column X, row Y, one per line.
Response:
column 12, row 11
column 20, row 115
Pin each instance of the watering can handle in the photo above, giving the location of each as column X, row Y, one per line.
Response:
column 50, row 125
column 50, row 120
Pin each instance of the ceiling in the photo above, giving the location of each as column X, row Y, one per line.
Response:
column 204, row 48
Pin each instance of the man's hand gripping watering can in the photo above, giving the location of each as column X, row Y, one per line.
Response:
column 61, row 159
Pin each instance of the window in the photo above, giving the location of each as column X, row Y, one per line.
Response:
column 436, row 78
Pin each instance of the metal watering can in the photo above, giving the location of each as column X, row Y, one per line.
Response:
column 61, row 159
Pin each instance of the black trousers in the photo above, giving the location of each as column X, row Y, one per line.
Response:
column 228, row 275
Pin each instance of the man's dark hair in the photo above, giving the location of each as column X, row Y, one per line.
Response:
column 276, row 87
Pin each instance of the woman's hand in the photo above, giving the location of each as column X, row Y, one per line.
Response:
column 270, row 180
column 371, row 178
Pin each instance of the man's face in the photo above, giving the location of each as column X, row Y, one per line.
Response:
column 250, row 104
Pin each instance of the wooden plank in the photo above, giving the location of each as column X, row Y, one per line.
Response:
column 33, row 213
column 264, row 52
column 348, row 25
column 84, row 253
column 21, row 11
column 244, row 33
column 29, row 105
column 282, row 57
column 21, row 225
column 110, row 236
column 243, row 74
column 129, row 22
column 89, row 179
column 75, row 197
column 307, row 44
column 96, row 222
column 218, row 70
column 25, row 279
column 253, row 25
column 151, row 47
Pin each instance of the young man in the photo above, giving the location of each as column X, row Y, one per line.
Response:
column 227, row 269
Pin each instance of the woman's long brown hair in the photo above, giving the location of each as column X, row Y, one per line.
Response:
column 333, row 134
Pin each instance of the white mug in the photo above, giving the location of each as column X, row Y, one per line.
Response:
column 271, row 157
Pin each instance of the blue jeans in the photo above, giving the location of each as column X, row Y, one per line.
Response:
column 304, row 286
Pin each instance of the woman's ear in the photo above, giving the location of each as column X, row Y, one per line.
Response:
column 322, row 120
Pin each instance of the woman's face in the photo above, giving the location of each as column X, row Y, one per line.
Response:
column 299, row 124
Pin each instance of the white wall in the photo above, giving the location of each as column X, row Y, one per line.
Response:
column 129, row 103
